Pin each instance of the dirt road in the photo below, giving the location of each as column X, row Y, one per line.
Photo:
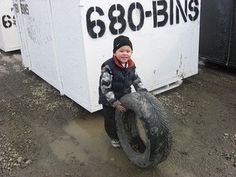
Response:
column 43, row 134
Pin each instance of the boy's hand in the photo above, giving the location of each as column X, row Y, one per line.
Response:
column 120, row 108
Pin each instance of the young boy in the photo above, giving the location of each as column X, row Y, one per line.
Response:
column 117, row 76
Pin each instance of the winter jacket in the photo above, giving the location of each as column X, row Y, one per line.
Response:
column 116, row 80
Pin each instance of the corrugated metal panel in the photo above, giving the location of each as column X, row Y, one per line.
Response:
column 215, row 29
column 232, row 59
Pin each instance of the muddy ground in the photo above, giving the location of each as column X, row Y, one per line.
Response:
column 43, row 134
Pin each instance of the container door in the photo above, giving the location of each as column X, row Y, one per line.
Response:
column 40, row 39
column 215, row 29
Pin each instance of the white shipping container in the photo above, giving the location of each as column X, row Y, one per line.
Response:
column 65, row 42
column 8, row 33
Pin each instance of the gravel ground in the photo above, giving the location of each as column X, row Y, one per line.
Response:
column 44, row 134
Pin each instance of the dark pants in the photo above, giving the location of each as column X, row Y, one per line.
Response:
column 109, row 121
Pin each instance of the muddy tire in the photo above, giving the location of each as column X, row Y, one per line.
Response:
column 143, row 129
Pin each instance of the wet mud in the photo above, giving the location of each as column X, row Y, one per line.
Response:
column 44, row 134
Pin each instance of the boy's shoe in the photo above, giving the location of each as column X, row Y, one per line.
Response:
column 115, row 143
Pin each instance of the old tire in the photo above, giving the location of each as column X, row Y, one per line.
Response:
column 143, row 129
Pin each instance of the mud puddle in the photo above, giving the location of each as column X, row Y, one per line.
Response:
column 85, row 140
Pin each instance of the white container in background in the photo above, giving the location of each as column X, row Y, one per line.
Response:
column 8, row 33
column 65, row 42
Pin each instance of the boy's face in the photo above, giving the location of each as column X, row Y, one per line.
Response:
column 123, row 54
